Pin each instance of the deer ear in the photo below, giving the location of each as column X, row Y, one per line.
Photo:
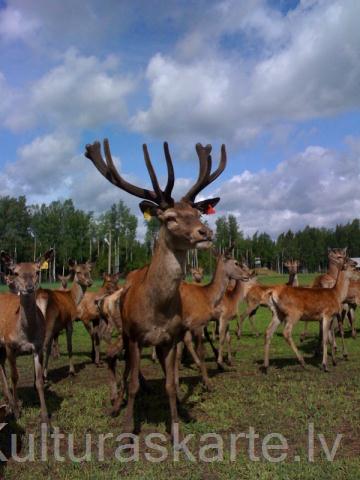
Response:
column 206, row 206
column 72, row 264
column 149, row 209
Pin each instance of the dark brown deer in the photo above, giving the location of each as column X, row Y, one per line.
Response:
column 22, row 328
column 61, row 310
column 151, row 309
column 290, row 305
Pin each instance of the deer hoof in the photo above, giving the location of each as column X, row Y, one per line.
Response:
column 346, row 356
column 325, row 368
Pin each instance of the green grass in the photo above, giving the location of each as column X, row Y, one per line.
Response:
column 284, row 401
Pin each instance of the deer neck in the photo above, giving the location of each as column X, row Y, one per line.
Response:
column 28, row 309
column 293, row 280
column 77, row 292
column 333, row 270
column 217, row 287
column 239, row 290
column 166, row 270
column 342, row 285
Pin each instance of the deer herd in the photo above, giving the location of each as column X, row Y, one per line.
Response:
column 168, row 316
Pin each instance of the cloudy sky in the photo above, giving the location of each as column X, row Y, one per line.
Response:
column 277, row 81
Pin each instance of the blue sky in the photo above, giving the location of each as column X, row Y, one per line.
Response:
column 277, row 81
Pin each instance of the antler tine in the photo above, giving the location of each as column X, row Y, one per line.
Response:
column 171, row 174
column 204, row 171
column 221, row 167
column 152, row 174
column 109, row 171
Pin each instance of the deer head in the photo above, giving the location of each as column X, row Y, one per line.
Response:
column 337, row 256
column 24, row 276
column 64, row 279
column 180, row 220
column 197, row 274
column 292, row 266
column 81, row 272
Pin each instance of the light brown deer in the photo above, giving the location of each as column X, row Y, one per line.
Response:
column 336, row 258
column 22, row 329
column 64, row 280
column 289, row 305
column 151, row 308
column 229, row 309
column 88, row 312
column 197, row 274
column 199, row 306
column 256, row 296
column 61, row 310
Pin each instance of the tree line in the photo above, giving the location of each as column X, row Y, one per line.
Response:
column 110, row 239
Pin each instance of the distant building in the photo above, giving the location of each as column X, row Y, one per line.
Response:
column 257, row 262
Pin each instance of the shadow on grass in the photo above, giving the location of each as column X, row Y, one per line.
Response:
column 30, row 398
column 56, row 375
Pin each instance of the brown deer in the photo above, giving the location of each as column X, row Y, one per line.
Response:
column 88, row 312
column 256, row 296
column 199, row 306
column 229, row 309
column 151, row 309
column 22, row 328
column 290, row 305
column 64, row 280
column 197, row 274
column 61, row 310
column 336, row 258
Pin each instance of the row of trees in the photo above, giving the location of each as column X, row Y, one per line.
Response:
column 110, row 239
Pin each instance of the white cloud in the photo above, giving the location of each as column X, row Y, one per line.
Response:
column 82, row 92
column 304, row 65
column 317, row 187
column 14, row 25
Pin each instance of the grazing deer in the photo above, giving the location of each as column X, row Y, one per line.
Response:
column 88, row 312
column 61, row 310
column 336, row 258
column 197, row 274
column 22, row 328
column 199, row 306
column 151, row 309
column 256, row 296
column 290, row 305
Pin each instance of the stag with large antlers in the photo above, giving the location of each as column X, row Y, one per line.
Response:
column 22, row 328
column 151, row 309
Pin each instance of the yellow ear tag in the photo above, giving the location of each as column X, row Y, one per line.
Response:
column 147, row 216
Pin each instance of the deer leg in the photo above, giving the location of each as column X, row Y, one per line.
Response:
column 111, row 359
column 275, row 322
column 47, row 350
column 134, row 385
column 325, row 333
column 11, row 356
column 199, row 348
column 222, row 334
column 55, row 351
column 179, row 352
column 6, row 390
column 332, row 343
column 240, row 322
column 287, row 335
column 167, row 357
column 252, row 324
column 351, row 318
column 340, row 320
column 209, row 339
column 153, row 354
column 69, row 332
column 305, row 332
column 228, row 341
column 39, row 382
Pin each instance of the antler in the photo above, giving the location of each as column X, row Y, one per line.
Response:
column 205, row 178
column 161, row 198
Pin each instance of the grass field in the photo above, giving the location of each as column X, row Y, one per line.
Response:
column 285, row 401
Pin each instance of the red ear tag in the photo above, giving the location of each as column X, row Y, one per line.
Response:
column 210, row 210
